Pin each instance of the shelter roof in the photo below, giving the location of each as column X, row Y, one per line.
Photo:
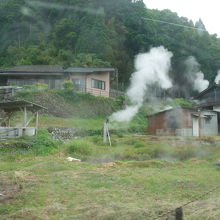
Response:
column 12, row 106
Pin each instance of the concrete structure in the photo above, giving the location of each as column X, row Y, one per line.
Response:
column 8, row 92
column 205, row 123
column 9, row 107
column 209, row 99
column 183, row 122
column 96, row 81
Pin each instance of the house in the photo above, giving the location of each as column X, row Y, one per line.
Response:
column 92, row 80
column 209, row 99
column 32, row 74
column 183, row 122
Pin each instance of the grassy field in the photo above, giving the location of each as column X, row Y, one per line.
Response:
column 139, row 177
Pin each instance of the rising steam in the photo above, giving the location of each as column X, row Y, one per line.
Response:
column 194, row 75
column 217, row 78
column 151, row 68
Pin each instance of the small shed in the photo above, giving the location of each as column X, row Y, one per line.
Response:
column 10, row 107
column 183, row 122
column 174, row 121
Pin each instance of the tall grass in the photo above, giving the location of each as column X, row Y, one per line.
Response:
column 135, row 149
column 41, row 144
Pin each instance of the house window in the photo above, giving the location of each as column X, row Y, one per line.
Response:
column 79, row 84
column 98, row 84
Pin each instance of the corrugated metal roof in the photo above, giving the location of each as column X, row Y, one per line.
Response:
column 207, row 90
column 170, row 109
column 16, row 105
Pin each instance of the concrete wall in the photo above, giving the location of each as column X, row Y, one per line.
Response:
column 216, row 108
column 16, row 132
column 185, row 132
column 209, row 123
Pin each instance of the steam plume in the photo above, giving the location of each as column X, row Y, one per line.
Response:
column 151, row 68
column 217, row 78
column 194, row 74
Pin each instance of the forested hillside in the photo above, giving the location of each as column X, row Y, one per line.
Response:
column 99, row 33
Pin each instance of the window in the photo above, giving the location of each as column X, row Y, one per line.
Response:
column 79, row 84
column 98, row 84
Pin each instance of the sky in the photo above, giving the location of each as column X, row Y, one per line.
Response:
column 207, row 10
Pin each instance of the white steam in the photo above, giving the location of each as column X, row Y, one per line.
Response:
column 200, row 83
column 152, row 67
column 194, row 74
column 217, row 78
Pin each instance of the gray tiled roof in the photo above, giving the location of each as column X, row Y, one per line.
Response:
column 88, row 70
column 35, row 68
column 56, row 70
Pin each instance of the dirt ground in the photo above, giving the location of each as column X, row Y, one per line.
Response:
column 8, row 190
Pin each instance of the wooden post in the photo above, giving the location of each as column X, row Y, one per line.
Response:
column 179, row 213
column 199, row 123
column 25, row 116
column 105, row 133
column 109, row 139
column 37, row 121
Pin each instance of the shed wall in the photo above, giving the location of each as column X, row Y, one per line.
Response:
column 171, row 122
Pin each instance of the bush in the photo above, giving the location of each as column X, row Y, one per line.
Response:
column 37, row 86
column 79, row 147
column 41, row 144
column 68, row 84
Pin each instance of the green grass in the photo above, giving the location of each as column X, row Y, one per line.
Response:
column 136, row 178
column 141, row 183
column 80, row 123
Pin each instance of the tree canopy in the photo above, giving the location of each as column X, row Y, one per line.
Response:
column 98, row 33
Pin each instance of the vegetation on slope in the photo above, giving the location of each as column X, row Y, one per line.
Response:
column 54, row 32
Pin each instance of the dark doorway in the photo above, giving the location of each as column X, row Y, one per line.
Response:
column 218, row 122
column 3, row 81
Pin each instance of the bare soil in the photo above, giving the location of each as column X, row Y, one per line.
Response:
column 8, row 190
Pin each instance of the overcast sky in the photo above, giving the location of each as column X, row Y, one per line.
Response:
column 207, row 10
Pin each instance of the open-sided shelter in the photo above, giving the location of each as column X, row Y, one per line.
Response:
column 10, row 107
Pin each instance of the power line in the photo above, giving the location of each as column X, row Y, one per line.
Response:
column 179, row 25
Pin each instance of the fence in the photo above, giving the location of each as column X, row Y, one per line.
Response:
column 116, row 93
column 100, row 92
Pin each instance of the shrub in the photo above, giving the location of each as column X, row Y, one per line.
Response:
column 41, row 144
column 79, row 147
column 37, row 86
column 68, row 84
